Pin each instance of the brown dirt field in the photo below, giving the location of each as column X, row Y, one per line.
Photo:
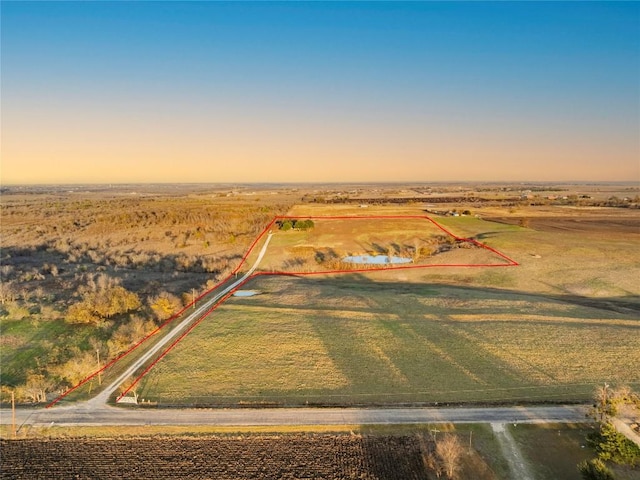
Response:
column 241, row 457
column 578, row 224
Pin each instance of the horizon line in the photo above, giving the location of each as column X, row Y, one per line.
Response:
column 355, row 182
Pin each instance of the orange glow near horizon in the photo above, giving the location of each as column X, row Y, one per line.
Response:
column 319, row 92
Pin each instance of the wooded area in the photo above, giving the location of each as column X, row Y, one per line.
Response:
column 85, row 276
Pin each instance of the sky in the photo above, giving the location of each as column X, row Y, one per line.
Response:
column 128, row 92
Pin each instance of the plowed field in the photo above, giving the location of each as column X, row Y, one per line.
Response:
column 245, row 457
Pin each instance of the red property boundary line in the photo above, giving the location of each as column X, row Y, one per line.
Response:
column 510, row 263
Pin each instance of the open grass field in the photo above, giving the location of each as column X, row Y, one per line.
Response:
column 551, row 329
column 353, row 341
column 554, row 450
column 323, row 248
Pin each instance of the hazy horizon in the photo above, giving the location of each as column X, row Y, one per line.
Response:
column 303, row 184
column 215, row 92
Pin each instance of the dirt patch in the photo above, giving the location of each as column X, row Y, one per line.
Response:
column 517, row 464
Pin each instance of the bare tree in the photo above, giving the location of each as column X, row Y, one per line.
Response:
column 128, row 334
column 623, row 394
column 429, row 459
column 449, row 450
column 604, row 405
column 35, row 389
column 417, row 244
column 7, row 292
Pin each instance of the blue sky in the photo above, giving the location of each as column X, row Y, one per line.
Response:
column 320, row 91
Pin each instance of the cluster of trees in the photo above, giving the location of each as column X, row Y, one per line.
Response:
column 295, row 224
column 308, row 258
column 127, row 334
column 609, row 444
column 105, row 320
column 442, row 455
column 102, row 300
column 108, row 255
column 95, row 215
column 626, row 202
column 612, row 445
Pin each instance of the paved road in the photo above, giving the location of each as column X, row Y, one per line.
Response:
column 103, row 397
column 83, row 414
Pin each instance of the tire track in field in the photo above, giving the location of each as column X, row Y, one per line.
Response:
column 518, row 466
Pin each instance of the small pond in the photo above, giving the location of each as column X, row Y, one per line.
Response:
column 375, row 259
column 245, row 293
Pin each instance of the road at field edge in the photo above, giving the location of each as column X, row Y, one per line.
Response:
column 80, row 414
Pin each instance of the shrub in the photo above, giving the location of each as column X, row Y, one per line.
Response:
column 612, row 445
column 595, row 469
column 286, row 225
column 164, row 305
column 105, row 302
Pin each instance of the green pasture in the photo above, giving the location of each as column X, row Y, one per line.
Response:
column 28, row 345
column 350, row 340
column 554, row 450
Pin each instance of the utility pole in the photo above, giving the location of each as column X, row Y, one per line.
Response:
column 13, row 414
column 193, row 293
column 99, row 367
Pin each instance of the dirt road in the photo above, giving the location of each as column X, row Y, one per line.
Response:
column 517, row 464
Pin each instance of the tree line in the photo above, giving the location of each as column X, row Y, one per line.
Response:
column 294, row 224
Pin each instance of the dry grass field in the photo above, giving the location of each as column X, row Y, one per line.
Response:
column 353, row 341
column 563, row 321
column 324, row 247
